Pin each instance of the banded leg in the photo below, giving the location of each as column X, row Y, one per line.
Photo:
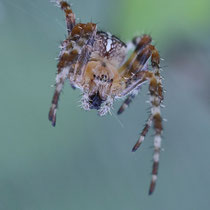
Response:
column 156, row 97
column 132, row 70
column 143, row 133
column 134, row 63
column 64, row 66
column 128, row 100
column 70, row 17
column 60, row 79
column 126, row 103
column 131, row 45
column 137, row 76
column 72, row 56
column 140, row 43
column 155, row 89
column 88, row 33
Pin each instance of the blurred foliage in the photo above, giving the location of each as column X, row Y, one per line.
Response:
column 165, row 17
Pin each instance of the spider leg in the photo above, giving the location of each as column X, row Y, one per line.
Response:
column 138, row 58
column 143, row 133
column 72, row 61
column 132, row 71
column 58, row 88
column 127, row 101
column 134, row 74
column 156, row 97
column 64, row 66
column 70, row 17
column 135, row 41
column 87, row 33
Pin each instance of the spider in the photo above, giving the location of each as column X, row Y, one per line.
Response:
column 95, row 62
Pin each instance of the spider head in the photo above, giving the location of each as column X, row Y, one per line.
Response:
column 99, row 85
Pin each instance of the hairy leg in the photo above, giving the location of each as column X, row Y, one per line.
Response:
column 70, row 16
column 72, row 61
column 65, row 61
column 134, row 74
column 131, row 45
column 134, row 63
column 128, row 100
column 87, row 33
column 143, row 133
column 126, row 103
column 156, row 97
column 132, row 71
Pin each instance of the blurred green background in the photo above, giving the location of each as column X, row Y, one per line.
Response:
column 86, row 162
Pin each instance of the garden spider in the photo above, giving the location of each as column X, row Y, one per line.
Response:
column 94, row 62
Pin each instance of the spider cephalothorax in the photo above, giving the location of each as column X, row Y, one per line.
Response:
column 94, row 62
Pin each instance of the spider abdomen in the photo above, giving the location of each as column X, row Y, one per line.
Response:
column 110, row 47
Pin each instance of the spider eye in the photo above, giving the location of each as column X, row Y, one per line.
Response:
column 95, row 101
